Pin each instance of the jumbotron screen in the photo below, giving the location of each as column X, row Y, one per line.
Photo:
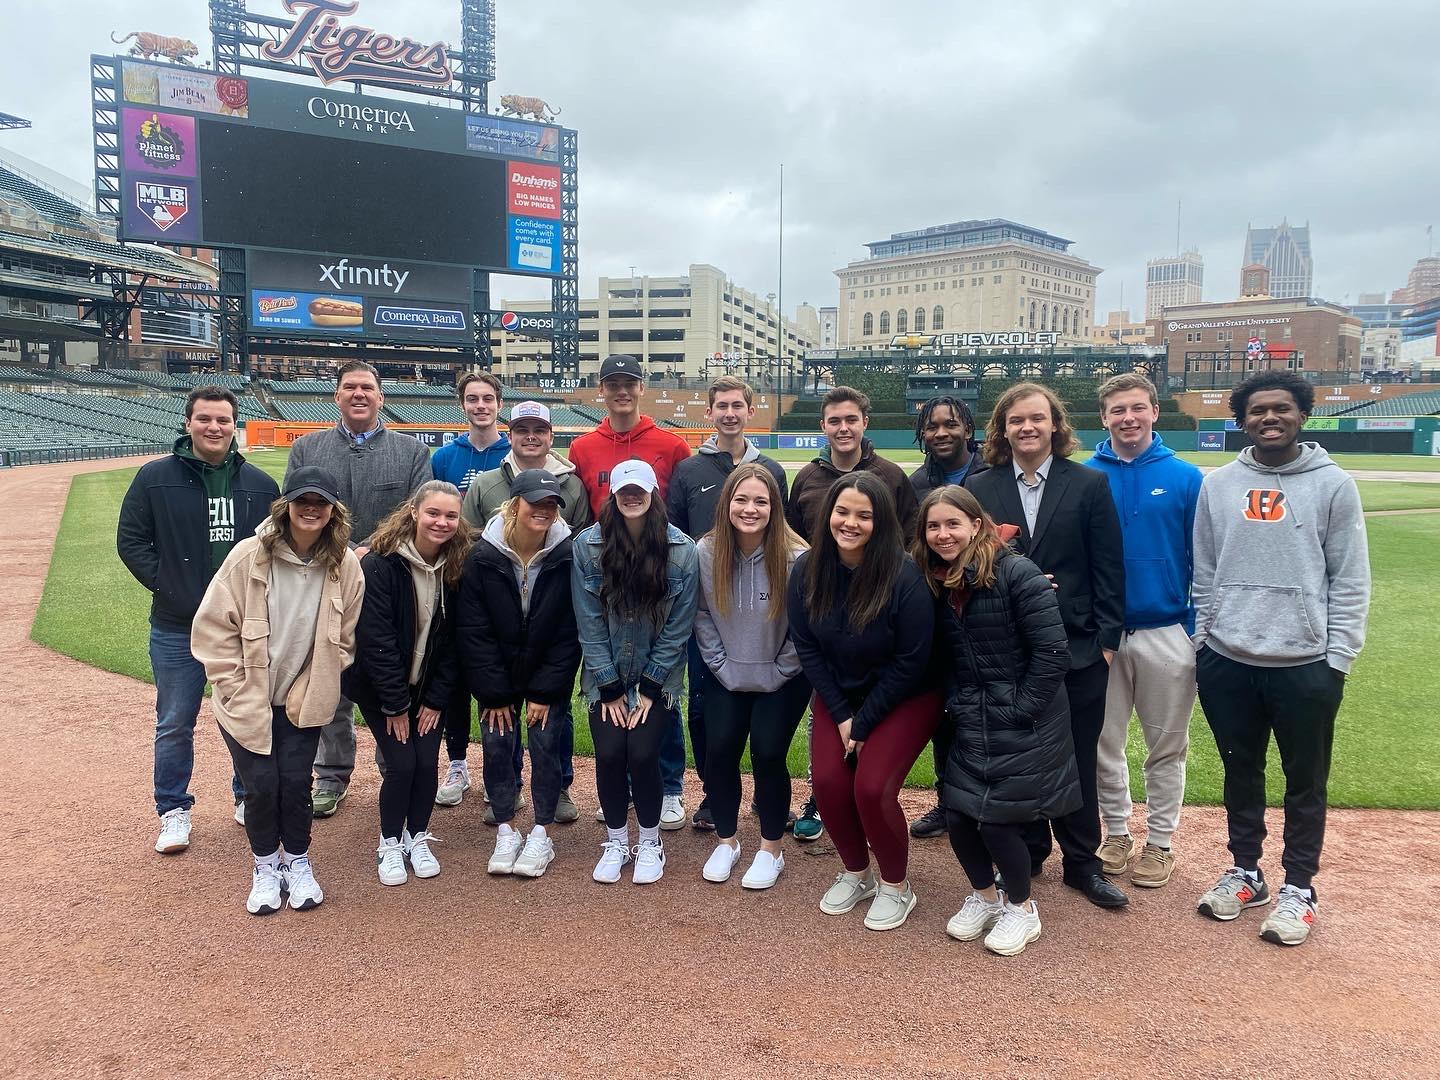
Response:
column 226, row 161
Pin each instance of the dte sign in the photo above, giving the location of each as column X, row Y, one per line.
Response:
column 799, row 442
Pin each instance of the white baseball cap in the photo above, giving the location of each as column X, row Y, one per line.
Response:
column 530, row 410
column 633, row 473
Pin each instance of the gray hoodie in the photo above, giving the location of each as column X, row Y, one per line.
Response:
column 293, row 606
column 428, row 595
column 1282, row 571
column 748, row 651
column 525, row 573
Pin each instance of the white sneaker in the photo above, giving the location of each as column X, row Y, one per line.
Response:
column 614, row 854
column 174, row 831
column 975, row 917
column 417, row 850
column 507, row 849
column 297, row 878
column 240, row 813
column 456, row 783
column 390, row 858
column 537, row 854
column 672, row 813
column 649, row 862
column 1015, row 929
column 264, row 898
column 722, row 860
column 764, row 871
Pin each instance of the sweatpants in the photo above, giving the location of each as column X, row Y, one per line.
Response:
column 986, row 846
column 335, row 753
column 408, row 781
column 860, row 805
column 547, row 747
column 634, row 753
column 1244, row 704
column 1078, row 833
column 277, row 786
column 768, row 721
column 1153, row 675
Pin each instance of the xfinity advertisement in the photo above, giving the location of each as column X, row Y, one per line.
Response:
column 347, row 297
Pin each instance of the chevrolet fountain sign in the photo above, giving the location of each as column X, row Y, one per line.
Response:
column 997, row 339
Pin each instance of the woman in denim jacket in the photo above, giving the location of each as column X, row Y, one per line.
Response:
column 635, row 581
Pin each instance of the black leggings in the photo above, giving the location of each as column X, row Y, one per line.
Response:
column 986, row 846
column 408, row 782
column 769, row 722
column 277, row 786
column 634, row 751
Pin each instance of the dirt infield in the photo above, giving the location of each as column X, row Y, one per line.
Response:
column 119, row 962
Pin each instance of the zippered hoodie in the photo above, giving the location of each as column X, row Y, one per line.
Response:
column 696, row 483
column 525, row 573
column 461, row 464
column 748, row 651
column 1155, row 496
column 490, row 491
column 597, row 452
column 1282, row 570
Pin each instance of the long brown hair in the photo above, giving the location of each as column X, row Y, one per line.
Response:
column 398, row 528
column 328, row 551
column 982, row 552
column 874, row 581
column 633, row 570
column 780, row 541
column 1063, row 442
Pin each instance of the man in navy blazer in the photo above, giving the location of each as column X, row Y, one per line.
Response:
column 1069, row 528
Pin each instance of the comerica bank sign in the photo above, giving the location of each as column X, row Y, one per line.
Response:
column 979, row 340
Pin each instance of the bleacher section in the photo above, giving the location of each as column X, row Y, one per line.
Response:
column 11, row 373
column 1426, row 403
column 310, row 412
column 32, row 421
column 448, row 415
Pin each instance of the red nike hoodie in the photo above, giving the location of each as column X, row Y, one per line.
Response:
column 596, row 453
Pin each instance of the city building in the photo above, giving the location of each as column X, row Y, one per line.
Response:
column 1220, row 344
column 1424, row 283
column 1379, row 347
column 1172, row 281
column 829, row 327
column 691, row 326
column 1373, row 312
column 966, row 277
column 1118, row 329
column 1285, row 252
column 1418, row 330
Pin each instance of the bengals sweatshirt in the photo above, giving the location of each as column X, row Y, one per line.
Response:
column 596, row 453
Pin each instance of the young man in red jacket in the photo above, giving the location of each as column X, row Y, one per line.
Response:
column 624, row 434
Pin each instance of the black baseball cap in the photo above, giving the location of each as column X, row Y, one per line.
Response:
column 621, row 364
column 311, row 480
column 532, row 485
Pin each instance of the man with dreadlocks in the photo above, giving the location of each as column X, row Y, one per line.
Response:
column 945, row 427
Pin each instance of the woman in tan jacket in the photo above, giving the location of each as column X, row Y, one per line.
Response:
column 274, row 631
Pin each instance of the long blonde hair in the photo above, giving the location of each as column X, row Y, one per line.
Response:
column 982, row 552
column 780, row 541
column 398, row 528
column 328, row 551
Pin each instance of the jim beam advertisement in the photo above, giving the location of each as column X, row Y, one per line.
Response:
column 343, row 296
column 999, row 339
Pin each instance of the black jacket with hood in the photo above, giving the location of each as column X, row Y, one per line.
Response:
column 931, row 474
column 163, row 535
column 696, row 482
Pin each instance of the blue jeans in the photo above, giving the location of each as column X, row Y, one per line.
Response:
column 179, row 688
column 672, row 752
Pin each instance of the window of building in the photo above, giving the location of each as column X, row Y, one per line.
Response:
column 919, row 320
column 884, row 322
column 996, row 280
column 901, row 318
column 1032, row 314
column 937, row 319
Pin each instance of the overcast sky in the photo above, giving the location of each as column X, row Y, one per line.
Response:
column 1089, row 119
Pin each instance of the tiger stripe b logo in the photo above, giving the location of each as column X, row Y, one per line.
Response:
column 1265, row 504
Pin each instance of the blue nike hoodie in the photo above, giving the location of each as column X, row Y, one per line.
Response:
column 1155, row 496
column 459, row 463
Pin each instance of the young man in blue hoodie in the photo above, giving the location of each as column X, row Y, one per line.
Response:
column 1282, row 593
column 1153, row 672
column 484, row 446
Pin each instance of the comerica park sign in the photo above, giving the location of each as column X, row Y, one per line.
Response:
column 982, row 340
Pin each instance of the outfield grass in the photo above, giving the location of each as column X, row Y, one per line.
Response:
column 1387, row 750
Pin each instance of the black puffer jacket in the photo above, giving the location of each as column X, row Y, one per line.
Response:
column 379, row 680
column 510, row 655
column 1013, row 759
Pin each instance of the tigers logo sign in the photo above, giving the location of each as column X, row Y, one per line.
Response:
column 1265, row 504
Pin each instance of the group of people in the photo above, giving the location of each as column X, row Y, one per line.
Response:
column 1005, row 604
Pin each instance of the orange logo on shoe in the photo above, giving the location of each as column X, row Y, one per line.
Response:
column 1309, row 917
column 1265, row 504
column 1245, row 894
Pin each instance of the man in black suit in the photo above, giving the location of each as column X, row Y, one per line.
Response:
column 1069, row 528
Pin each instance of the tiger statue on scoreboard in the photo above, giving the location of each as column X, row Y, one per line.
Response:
column 148, row 46
column 515, row 105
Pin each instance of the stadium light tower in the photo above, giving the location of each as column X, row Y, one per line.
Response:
column 8, row 122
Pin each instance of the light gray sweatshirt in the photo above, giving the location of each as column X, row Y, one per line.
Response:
column 748, row 651
column 428, row 595
column 1282, row 570
column 293, row 605
column 525, row 573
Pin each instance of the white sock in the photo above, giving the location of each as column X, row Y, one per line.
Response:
column 538, row 832
column 505, row 829
column 272, row 860
column 287, row 858
column 621, row 835
column 1027, row 908
column 652, row 834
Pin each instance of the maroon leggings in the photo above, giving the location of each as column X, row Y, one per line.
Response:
column 861, row 806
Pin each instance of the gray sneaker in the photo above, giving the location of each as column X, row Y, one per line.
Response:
column 489, row 818
column 891, row 907
column 847, row 891
column 1232, row 894
column 1291, row 921
column 565, row 809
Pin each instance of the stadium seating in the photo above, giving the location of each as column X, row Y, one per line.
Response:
column 317, row 412
column 1426, row 403
column 448, row 415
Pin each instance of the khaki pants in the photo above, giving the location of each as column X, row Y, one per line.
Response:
column 1153, row 676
